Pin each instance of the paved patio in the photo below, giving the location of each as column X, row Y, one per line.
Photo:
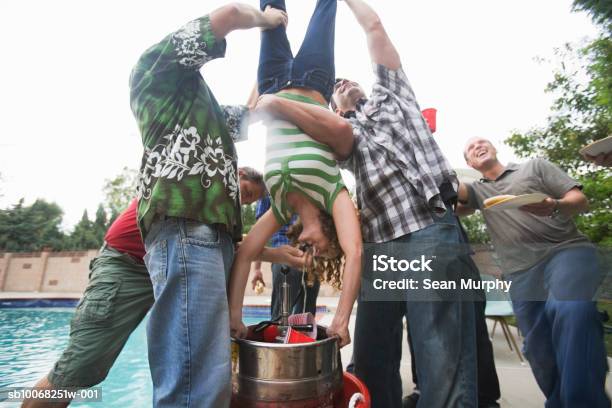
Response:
column 518, row 387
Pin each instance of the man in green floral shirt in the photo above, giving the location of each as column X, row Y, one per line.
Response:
column 189, row 207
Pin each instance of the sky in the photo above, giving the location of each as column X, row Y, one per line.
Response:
column 64, row 98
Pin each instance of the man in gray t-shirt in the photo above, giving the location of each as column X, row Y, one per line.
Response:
column 522, row 238
column 553, row 269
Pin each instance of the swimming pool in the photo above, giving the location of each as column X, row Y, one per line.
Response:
column 31, row 340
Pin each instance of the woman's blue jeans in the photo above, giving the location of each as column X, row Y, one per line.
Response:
column 312, row 67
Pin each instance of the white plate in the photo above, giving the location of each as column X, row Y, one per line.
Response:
column 518, row 201
column 596, row 148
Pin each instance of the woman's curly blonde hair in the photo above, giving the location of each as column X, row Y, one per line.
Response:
column 328, row 270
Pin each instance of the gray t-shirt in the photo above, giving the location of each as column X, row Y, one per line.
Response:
column 522, row 239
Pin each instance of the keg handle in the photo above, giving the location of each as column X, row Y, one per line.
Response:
column 285, row 305
column 285, row 301
column 261, row 326
column 283, row 321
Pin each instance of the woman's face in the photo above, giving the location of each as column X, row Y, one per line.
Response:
column 313, row 235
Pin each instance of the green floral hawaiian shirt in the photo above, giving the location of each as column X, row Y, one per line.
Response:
column 189, row 167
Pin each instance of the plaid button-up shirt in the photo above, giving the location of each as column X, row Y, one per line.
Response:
column 280, row 237
column 397, row 164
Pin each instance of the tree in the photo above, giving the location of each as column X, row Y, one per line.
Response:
column 248, row 217
column 84, row 235
column 476, row 229
column 32, row 228
column 119, row 191
column 600, row 10
column 101, row 223
column 581, row 113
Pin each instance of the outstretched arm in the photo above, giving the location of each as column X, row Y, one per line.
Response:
column 317, row 122
column 381, row 49
column 286, row 255
column 572, row 203
column 183, row 52
column 249, row 250
column 349, row 236
column 238, row 16
column 462, row 208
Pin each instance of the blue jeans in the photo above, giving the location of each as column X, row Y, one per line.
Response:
column 443, row 334
column 488, row 382
column 188, row 330
column 563, row 338
column 312, row 67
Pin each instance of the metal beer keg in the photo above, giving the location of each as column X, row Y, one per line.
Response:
column 306, row 375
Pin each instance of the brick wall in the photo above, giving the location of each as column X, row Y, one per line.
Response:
column 69, row 272
column 45, row 271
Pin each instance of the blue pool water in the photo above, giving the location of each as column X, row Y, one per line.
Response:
column 31, row 340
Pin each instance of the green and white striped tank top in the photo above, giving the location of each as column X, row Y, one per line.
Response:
column 295, row 162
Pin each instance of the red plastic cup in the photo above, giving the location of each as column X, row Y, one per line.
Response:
column 295, row 336
column 270, row 333
column 430, row 116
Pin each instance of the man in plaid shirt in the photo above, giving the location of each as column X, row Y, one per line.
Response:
column 404, row 189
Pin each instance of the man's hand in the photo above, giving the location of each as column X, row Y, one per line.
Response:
column 286, row 255
column 291, row 256
column 603, row 159
column 341, row 331
column 257, row 277
column 262, row 108
column 252, row 100
column 544, row 208
column 273, row 18
column 265, row 104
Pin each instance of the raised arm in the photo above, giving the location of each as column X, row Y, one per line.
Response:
column 184, row 52
column 381, row 49
column 203, row 39
column 238, row 16
column 319, row 123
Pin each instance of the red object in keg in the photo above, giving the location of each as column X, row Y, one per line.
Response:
column 430, row 117
column 270, row 333
column 295, row 336
column 352, row 385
